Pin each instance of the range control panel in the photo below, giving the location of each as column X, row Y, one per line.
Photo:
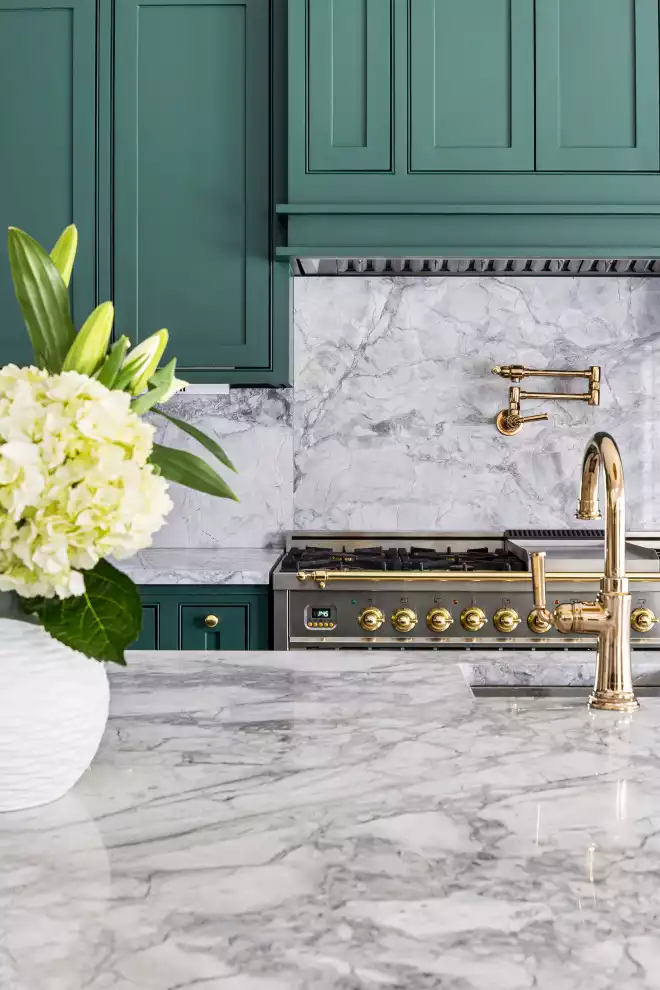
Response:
column 426, row 619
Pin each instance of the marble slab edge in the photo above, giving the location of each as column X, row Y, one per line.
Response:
column 554, row 668
column 200, row 566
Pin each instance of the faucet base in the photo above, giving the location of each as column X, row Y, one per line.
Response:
column 613, row 701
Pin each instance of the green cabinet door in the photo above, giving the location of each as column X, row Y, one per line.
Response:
column 148, row 638
column 471, row 85
column 597, row 85
column 349, row 82
column 192, row 168
column 47, row 159
column 229, row 631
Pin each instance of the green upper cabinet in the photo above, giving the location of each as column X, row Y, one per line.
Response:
column 597, row 85
column 47, row 161
column 349, row 96
column 192, row 167
column 471, row 85
column 151, row 125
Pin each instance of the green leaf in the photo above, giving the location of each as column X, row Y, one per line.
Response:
column 162, row 386
column 63, row 254
column 190, row 470
column 43, row 298
column 107, row 374
column 87, row 353
column 141, row 363
column 208, row 442
column 100, row 623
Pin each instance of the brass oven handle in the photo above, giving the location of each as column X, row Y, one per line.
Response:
column 538, row 579
column 211, row 621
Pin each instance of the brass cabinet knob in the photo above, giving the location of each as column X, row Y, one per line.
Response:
column 371, row 619
column 439, row 619
column 643, row 619
column 211, row 621
column 506, row 620
column 473, row 619
column 404, row 619
column 536, row 623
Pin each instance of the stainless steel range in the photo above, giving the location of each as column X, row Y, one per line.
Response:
column 436, row 591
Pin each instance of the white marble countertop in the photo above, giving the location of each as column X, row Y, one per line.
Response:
column 235, row 565
column 340, row 821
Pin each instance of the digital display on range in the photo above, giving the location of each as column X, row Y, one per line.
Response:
column 320, row 613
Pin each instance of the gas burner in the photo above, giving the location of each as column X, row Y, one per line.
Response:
column 329, row 559
column 400, row 559
column 473, row 559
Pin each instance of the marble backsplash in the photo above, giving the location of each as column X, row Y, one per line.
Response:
column 390, row 424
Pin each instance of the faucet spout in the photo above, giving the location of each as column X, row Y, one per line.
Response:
column 602, row 450
column 608, row 618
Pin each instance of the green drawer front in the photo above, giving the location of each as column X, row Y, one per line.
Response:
column 231, row 632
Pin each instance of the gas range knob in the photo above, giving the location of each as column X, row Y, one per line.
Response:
column 537, row 624
column 506, row 620
column 439, row 619
column 371, row 618
column 643, row 619
column 404, row 619
column 473, row 618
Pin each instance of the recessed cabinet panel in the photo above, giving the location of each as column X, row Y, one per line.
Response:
column 214, row 627
column 349, row 73
column 471, row 85
column 597, row 85
column 47, row 154
column 192, row 92
column 148, row 638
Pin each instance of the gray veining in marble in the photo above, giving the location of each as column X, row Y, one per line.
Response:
column 237, row 565
column 390, row 421
column 340, row 821
column 394, row 400
column 549, row 668
column 254, row 427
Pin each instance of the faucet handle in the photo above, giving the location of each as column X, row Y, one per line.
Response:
column 538, row 579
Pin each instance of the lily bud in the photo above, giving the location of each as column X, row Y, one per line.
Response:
column 89, row 348
column 141, row 363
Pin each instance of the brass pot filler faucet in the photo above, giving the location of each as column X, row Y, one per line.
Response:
column 509, row 421
column 608, row 618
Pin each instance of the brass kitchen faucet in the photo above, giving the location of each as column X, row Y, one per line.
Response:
column 608, row 618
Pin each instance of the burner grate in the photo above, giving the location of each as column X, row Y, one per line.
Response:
column 400, row 559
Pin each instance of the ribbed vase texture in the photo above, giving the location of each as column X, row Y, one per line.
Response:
column 53, row 712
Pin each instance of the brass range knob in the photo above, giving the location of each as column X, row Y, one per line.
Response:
column 439, row 619
column 643, row 619
column 404, row 619
column 211, row 621
column 536, row 623
column 473, row 618
column 371, row 618
column 506, row 620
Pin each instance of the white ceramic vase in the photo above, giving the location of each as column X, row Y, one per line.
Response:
column 53, row 711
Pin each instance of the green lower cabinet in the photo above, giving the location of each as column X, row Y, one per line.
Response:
column 199, row 617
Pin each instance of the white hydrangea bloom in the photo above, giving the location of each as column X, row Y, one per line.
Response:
column 75, row 485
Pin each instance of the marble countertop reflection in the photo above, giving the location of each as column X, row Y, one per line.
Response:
column 331, row 820
column 234, row 565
